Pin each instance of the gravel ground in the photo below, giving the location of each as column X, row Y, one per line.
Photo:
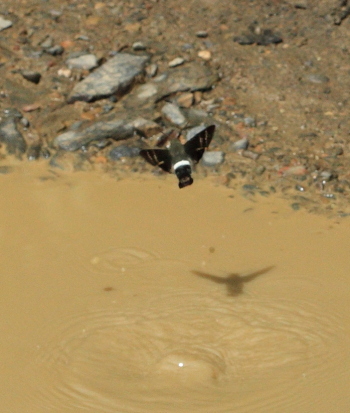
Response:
column 86, row 84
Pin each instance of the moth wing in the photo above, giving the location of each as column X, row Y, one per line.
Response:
column 196, row 146
column 158, row 157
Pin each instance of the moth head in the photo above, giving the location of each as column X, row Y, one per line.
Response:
column 183, row 172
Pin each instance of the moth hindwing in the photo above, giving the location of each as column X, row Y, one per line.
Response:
column 196, row 146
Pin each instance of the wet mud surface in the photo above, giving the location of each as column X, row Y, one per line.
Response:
column 121, row 292
column 111, row 307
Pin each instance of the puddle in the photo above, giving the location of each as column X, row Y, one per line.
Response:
column 135, row 296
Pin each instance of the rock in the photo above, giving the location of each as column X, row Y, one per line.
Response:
column 123, row 151
column 176, row 62
column 86, row 61
column 204, row 54
column 139, row 46
column 327, row 176
column 55, row 50
column 47, row 42
column 34, row 152
column 249, row 122
column 202, row 34
column 240, row 144
column 251, row 155
column 146, row 91
column 259, row 170
column 112, row 78
column 191, row 77
column 151, row 70
column 4, row 24
column 211, row 158
column 173, row 114
column 75, row 139
column 32, row 76
column 64, row 72
column 316, row 78
column 185, row 100
column 12, row 138
column 146, row 127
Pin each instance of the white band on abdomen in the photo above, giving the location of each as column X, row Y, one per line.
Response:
column 181, row 163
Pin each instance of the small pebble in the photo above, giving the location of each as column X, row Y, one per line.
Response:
column 251, row 155
column 176, row 62
column 202, row 34
column 185, row 100
column 123, row 151
column 249, row 122
column 47, row 42
column 327, row 176
column 259, row 170
column 213, row 158
column 31, row 76
column 55, row 50
column 152, row 70
column 86, row 61
column 173, row 114
column 64, row 72
column 138, row 46
column 25, row 122
column 240, row 144
column 204, row 54
column 317, row 78
column 4, row 24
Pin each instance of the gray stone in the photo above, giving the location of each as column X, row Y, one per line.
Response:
column 73, row 140
column 249, row 121
column 31, row 76
column 123, row 151
column 211, row 158
column 173, row 114
column 176, row 62
column 112, row 78
column 202, row 34
column 240, row 144
column 146, row 127
column 152, row 70
column 316, row 78
column 12, row 138
column 146, row 91
column 47, row 42
column 4, row 24
column 188, row 78
column 55, row 50
column 191, row 77
column 86, row 61
column 139, row 46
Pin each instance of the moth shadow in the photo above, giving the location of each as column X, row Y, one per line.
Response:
column 234, row 282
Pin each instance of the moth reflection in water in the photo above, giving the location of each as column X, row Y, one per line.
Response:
column 234, row 282
column 180, row 158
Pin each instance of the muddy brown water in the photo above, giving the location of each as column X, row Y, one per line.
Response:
column 135, row 296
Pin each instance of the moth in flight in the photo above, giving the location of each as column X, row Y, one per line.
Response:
column 180, row 158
